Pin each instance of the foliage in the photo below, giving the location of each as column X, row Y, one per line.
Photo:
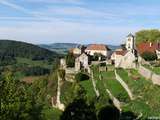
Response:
column 96, row 57
column 25, row 50
column 62, row 74
column 70, row 91
column 6, row 59
column 36, row 71
column 70, row 60
column 79, row 110
column 149, row 56
column 109, row 113
column 50, row 113
column 148, row 35
column 81, row 77
column 16, row 101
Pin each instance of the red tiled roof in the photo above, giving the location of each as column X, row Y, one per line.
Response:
column 147, row 46
column 97, row 47
column 121, row 52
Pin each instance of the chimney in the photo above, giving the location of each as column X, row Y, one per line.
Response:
column 150, row 44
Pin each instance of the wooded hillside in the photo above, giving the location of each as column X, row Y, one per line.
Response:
column 26, row 50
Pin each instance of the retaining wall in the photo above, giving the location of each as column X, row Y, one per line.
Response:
column 148, row 74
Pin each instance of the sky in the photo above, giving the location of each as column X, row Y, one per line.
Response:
column 76, row 21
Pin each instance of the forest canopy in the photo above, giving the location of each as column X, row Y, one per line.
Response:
column 26, row 50
column 152, row 35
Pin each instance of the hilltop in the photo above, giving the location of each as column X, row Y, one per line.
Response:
column 25, row 50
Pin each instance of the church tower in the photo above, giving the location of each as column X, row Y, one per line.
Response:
column 130, row 43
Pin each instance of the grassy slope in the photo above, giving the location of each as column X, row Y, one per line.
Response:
column 147, row 95
column 114, row 86
column 87, row 85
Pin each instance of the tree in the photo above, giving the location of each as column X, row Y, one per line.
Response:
column 152, row 35
column 128, row 115
column 149, row 56
column 70, row 60
column 16, row 102
column 109, row 113
column 79, row 110
column 81, row 77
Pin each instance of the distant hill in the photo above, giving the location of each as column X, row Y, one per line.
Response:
column 25, row 50
column 59, row 45
column 63, row 47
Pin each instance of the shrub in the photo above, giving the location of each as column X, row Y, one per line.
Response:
column 149, row 56
column 70, row 60
column 81, row 76
column 62, row 73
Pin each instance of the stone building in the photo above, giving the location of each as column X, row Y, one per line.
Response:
column 98, row 48
column 82, row 61
column 78, row 50
column 125, row 58
column 63, row 63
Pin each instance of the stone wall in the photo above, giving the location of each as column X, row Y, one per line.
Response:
column 148, row 74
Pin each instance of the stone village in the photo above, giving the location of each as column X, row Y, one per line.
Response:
column 127, row 57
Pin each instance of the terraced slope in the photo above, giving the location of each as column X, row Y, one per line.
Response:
column 147, row 100
column 114, row 86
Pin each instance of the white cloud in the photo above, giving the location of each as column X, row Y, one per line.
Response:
column 41, row 32
column 14, row 6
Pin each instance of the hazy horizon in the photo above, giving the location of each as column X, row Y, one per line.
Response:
column 76, row 21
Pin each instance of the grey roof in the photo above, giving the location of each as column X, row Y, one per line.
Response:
column 130, row 35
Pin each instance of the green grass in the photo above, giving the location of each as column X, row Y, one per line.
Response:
column 99, row 84
column 30, row 62
column 144, row 91
column 109, row 82
column 114, row 86
column 67, row 90
column 153, row 69
column 51, row 114
column 87, row 85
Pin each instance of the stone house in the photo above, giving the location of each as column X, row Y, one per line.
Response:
column 78, row 50
column 82, row 61
column 125, row 58
column 98, row 48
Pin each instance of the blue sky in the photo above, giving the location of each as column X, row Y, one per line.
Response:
column 77, row 21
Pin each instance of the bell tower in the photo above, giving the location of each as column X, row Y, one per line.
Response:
column 130, row 42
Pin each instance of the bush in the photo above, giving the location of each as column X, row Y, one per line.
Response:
column 81, row 76
column 70, row 60
column 149, row 56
